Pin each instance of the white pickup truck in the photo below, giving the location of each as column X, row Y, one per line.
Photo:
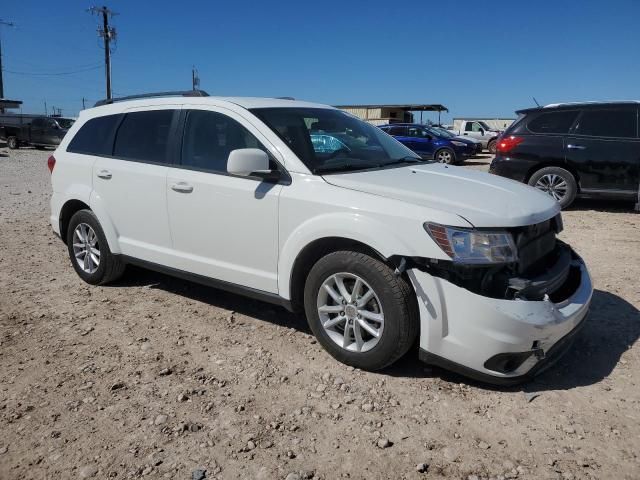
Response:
column 479, row 130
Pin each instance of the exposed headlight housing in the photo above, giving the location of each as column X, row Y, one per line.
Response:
column 473, row 246
column 458, row 144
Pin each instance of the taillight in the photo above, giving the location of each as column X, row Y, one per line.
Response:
column 506, row 144
column 51, row 163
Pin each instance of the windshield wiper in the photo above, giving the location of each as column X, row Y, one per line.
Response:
column 406, row 159
column 344, row 168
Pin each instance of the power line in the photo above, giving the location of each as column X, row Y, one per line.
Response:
column 36, row 74
column 108, row 33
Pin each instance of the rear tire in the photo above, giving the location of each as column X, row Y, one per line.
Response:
column 559, row 183
column 492, row 147
column 89, row 251
column 445, row 155
column 12, row 143
column 384, row 304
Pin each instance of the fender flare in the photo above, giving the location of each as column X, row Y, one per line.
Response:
column 347, row 225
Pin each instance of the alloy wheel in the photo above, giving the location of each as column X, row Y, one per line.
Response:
column 444, row 156
column 554, row 185
column 350, row 312
column 86, row 249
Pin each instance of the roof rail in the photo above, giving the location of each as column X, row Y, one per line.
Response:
column 186, row 93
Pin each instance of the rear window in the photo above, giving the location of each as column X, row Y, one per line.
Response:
column 608, row 123
column 553, row 122
column 95, row 137
column 144, row 136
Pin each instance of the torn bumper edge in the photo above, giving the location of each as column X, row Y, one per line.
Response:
column 461, row 330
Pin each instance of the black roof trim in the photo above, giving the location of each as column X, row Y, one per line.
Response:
column 185, row 93
column 574, row 105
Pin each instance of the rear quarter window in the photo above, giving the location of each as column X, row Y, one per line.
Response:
column 552, row 122
column 95, row 137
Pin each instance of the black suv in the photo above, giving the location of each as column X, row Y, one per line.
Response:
column 570, row 149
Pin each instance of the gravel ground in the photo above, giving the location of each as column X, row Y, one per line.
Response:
column 162, row 378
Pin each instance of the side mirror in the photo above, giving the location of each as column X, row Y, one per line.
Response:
column 247, row 161
column 482, row 131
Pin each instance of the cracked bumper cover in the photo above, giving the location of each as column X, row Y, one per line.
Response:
column 462, row 331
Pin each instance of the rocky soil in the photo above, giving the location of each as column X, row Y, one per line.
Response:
column 156, row 377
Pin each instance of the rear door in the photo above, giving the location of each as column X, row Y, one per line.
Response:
column 605, row 149
column 130, row 185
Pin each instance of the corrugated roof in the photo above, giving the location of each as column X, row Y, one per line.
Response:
column 407, row 107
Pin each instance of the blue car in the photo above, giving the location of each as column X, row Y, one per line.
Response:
column 430, row 144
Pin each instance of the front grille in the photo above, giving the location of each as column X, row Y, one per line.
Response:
column 535, row 243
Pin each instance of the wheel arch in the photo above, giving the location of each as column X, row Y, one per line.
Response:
column 313, row 252
column 66, row 212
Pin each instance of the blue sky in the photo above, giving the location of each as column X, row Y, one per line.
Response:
column 479, row 58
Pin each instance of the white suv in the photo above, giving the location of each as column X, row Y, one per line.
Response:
column 306, row 206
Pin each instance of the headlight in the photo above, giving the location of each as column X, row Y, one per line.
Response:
column 458, row 144
column 473, row 246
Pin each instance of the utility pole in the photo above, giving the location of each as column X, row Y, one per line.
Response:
column 3, row 24
column 83, row 107
column 195, row 79
column 108, row 34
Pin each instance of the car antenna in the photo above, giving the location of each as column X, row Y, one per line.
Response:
column 534, row 99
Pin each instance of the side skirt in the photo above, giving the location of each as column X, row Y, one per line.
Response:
column 211, row 282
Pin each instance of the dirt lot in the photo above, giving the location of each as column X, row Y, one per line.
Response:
column 162, row 378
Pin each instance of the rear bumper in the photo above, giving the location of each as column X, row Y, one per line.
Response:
column 511, row 168
column 493, row 340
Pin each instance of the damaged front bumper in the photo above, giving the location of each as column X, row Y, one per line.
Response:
column 496, row 340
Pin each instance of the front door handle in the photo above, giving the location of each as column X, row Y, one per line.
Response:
column 182, row 187
column 576, row 147
column 106, row 174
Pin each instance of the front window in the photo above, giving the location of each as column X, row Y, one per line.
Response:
column 329, row 140
column 485, row 126
column 442, row 132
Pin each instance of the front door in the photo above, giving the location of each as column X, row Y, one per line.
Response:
column 131, row 185
column 420, row 141
column 604, row 148
column 223, row 227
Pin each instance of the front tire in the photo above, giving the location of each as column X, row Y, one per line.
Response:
column 89, row 251
column 492, row 147
column 359, row 310
column 445, row 155
column 559, row 183
column 12, row 143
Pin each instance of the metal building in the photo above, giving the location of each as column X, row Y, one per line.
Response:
column 383, row 114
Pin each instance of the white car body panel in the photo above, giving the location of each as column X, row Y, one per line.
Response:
column 472, row 195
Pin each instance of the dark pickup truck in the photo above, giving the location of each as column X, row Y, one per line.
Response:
column 37, row 130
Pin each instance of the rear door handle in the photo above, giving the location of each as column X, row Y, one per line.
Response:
column 182, row 187
column 106, row 174
column 576, row 147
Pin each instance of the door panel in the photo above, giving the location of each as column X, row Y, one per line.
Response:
column 605, row 149
column 135, row 196
column 224, row 227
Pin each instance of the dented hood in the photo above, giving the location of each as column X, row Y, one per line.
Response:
column 484, row 200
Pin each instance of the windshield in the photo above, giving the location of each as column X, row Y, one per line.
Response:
column 485, row 126
column 443, row 132
column 65, row 122
column 329, row 140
